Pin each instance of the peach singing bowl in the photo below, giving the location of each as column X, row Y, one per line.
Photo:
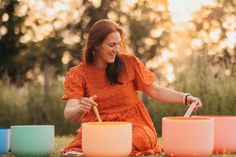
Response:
column 225, row 134
column 107, row 139
column 187, row 136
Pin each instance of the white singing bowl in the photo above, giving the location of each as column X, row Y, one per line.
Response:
column 107, row 139
column 187, row 136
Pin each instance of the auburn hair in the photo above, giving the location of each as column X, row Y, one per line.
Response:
column 97, row 34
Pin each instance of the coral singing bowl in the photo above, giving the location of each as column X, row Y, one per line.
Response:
column 187, row 136
column 224, row 134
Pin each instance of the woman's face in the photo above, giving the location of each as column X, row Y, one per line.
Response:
column 107, row 51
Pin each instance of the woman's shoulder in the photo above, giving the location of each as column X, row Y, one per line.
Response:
column 78, row 69
column 80, row 66
column 130, row 59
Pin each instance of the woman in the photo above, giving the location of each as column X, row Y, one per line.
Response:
column 109, row 79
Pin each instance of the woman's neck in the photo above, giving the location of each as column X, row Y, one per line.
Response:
column 99, row 63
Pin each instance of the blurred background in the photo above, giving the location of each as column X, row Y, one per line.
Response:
column 189, row 44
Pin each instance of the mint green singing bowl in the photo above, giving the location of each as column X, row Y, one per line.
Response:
column 32, row 140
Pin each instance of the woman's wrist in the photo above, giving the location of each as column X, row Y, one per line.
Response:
column 185, row 98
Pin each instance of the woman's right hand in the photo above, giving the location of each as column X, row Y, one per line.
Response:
column 86, row 104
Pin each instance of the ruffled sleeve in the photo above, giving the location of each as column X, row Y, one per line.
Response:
column 74, row 85
column 143, row 76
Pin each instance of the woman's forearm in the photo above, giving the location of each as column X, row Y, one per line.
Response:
column 168, row 95
column 72, row 111
column 163, row 94
column 76, row 108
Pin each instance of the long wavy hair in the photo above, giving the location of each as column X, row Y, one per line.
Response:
column 97, row 34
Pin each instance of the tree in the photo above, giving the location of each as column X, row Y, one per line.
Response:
column 214, row 27
column 12, row 58
column 147, row 24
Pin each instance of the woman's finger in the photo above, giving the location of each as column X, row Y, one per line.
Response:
column 90, row 100
column 93, row 97
column 84, row 110
column 195, row 109
column 88, row 106
column 199, row 105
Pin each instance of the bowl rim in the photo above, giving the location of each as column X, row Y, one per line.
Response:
column 182, row 118
column 32, row 126
column 4, row 129
column 107, row 123
column 217, row 116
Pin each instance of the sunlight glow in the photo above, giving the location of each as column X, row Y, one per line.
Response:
column 29, row 74
column 112, row 15
column 170, row 73
column 47, row 16
column 182, row 9
column 231, row 39
column 3, row 30
column 70, row 38
column 227, row 72
column 5, row 17
column 215, row 35
column 153, row 63
column 157, row 32
column 96, row 3
column 57, row 24
column 66, row 58
column 25, row 38
column 196, row 43
column 161, row 7
column 131, row 3
column 166, row 55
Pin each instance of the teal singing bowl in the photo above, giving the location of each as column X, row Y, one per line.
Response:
column 4, row 140
column 32, row 140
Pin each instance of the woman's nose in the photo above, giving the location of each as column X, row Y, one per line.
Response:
column 116, row 48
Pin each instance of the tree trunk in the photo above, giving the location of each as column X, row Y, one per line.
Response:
column 45, row 105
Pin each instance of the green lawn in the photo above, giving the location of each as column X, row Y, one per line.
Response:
column 63, row 140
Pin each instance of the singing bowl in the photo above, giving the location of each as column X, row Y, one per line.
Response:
column 4, row 140
column 106, row 139
column 224, row 134
column 32, row 140
column 187, row 136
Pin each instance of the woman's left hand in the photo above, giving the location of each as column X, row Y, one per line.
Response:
column 191, row 99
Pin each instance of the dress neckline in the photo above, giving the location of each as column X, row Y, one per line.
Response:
column 94, row 67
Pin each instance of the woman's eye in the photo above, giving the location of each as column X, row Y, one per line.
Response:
column 114, row 44
column 111, row 45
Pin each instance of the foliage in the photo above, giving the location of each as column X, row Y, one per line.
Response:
column 25, row 106
column 214, row 27
column 12, row 59
column 36, row 50
column 20, row 64
column 218, row 95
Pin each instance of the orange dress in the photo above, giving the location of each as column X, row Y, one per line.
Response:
column 115, row 102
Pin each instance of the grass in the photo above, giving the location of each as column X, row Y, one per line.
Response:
column 63, row 140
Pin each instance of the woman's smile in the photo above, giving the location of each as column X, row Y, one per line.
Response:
column 112, row 56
